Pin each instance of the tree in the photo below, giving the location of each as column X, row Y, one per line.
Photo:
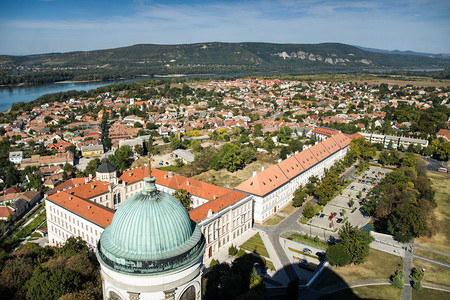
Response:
column 308, row 211
column 137, row 125
column 362, row 148
column 397, row 279
column 175, row 143
column 12, row 176
column 299, row 196
column 184, row 197
column 122, row 158
column 248, row 154
column 92, row 166
column 257, row 130
column 228, row 157
column 139, row 149
column 337, row 255
column 284, row 134
column 356, row 242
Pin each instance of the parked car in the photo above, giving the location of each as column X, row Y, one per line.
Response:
column 359, row 180
column 352, row 187
column 304, row 262
column 321, row 216
column 330, row 217
column 321, row 255
column 307, row 251
column 339, row 220
column 317, row 214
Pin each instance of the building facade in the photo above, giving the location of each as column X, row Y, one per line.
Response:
column 273, row 188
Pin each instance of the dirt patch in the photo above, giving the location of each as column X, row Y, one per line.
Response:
column 415, row 82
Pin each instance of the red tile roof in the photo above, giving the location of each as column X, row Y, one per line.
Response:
column 230, row 198
column 91, row 211
column 194, row 187
column 270, row 179
column 90, row 190
column 70, row 183
column 325, row 131
column 264, row 182
column 291, row 167
column 6, row 212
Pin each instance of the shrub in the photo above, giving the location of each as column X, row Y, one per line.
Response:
column 417, row 285
column 213, row 263
column 316, row 239
column 240, row 253
column 232, row 250
column 417, row 274
column 397, row 279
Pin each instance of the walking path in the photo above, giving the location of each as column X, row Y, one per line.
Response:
column 407, row 266
column 432, row 250
column 436, row 262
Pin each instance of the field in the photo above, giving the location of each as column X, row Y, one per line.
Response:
column 427, row 294
column 255, row 244
column 440, row 241
column 378, row 265
column 433, row 273
column 231, row 180
column 367, row 292
column 432, row 255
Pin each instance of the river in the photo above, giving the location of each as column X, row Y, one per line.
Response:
column 10, row 95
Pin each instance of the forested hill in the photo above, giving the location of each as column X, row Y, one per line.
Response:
column 217, row 58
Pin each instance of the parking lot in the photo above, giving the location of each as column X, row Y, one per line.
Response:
column 338, row 210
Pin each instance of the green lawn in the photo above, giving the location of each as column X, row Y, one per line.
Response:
column 441, row 240
column 274, row 220
column 378, row 265
column 289, row 209
column 305, row 240
column 367, row 292
column 432, row 255
column 433, row 273
column 428, row 294
column 255, row 244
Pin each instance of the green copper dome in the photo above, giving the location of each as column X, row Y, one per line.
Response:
column 151, row 232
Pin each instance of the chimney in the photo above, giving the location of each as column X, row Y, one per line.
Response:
column 187, row 182
column 279, row 160
column 92, row 186
column 262, row 168
column 70, row 198
column 254, row 174
column 90, row 177
column 130, row 174
column 116, row 180
column 165, row 176
column 109, row 188
column 85, row 181
column 214, row 197
column 89, row 207
column 170, row 174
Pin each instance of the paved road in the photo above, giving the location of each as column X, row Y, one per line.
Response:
column 436, row 262
column 433, row 164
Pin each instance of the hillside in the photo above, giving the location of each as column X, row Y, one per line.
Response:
column 217, row 58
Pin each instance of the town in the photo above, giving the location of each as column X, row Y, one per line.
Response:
column 277, row 168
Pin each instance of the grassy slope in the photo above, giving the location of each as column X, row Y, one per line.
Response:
column 378, row 265
column 440, row 241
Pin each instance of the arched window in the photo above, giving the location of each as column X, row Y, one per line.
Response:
column 189, row 294
column 115, row 199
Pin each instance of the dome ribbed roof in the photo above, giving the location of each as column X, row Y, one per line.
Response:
column 151, row 232
column 106, row 167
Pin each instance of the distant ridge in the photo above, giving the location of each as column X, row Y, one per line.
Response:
column 407, row 52
column 204, row 58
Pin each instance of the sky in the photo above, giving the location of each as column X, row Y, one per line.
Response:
column 46, row 26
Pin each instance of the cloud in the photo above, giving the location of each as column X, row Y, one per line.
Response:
column 379, row 24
